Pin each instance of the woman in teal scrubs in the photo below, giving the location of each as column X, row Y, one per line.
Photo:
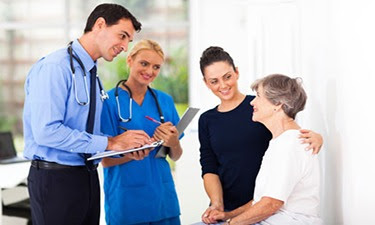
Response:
column 139, row 187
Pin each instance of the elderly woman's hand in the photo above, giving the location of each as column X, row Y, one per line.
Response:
column 207, row 217
column 314, row 140
column 218, row 215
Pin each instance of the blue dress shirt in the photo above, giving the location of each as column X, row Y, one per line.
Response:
column 54, row 123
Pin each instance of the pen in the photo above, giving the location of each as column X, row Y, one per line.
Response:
column 122, row 128
column 153, row 120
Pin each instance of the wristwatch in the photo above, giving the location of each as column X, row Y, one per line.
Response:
column 228, row 221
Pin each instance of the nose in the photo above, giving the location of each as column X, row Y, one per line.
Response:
column 124, row 45
column 222, row 84
column 149, row 70
column 252, row 102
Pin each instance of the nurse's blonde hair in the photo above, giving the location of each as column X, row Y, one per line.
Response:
column 146, row 44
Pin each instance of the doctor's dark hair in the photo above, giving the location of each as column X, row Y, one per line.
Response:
column 281, row 89
column 215, row 54
column 111, row 13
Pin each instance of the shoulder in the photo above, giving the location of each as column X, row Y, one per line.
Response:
column 112, row 91
column 209, row 113
column 207, row 116
column 164, row 99
column 111, row 94
column 162, row 95
column 247, row 101
column 52, row 65
column 290, row 143
column 59, row 57
column 55, row 61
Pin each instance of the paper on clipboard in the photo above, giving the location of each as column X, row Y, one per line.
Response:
column 113, row 153
column 185, row 120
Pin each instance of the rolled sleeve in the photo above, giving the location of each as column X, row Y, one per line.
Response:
column 98, row 144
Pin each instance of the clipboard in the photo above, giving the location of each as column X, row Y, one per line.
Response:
column 113, row 153
column 185, row 120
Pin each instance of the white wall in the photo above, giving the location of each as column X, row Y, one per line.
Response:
column 338, row 47
column 331, row 45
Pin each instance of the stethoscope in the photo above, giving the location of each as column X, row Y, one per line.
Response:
column 103, row 94
column 161, row 115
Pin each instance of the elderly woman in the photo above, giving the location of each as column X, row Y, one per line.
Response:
column 287, row 185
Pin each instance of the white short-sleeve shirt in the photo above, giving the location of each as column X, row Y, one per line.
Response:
column 291, row 174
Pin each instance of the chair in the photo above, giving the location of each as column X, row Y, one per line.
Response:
column 19, row 208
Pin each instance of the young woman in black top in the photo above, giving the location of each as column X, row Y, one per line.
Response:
column 232, row 145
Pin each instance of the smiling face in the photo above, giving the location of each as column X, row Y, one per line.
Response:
column 221, row 79
column 263, row 108
column 112, row 40
column 144, row 66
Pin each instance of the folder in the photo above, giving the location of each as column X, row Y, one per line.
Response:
column 185, row 120
column 114, row 153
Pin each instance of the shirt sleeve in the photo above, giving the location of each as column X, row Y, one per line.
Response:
column 283, row 173
column 208, row 159
column 49, row 91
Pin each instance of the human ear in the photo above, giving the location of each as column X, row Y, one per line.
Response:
column 99, row 23
column 237, row 73
column 277, row 107
column 129, row 61
column 205, row 82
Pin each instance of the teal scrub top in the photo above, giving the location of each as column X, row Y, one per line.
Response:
column 139, row 191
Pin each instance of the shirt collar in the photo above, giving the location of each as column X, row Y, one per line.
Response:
column 83, row 55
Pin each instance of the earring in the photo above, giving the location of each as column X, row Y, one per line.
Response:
column 274, row 110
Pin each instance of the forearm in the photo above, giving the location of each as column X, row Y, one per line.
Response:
column 263, row 209
column 239, row 210
column 62, row 137
column 175, row 152
column 213, row 189
column 108, row 162
column 112, row 144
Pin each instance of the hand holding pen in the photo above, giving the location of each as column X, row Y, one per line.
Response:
column 168, row 133
column 127, row 140
column 137, row 155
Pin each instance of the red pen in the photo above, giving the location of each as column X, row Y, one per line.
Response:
column 153, row 120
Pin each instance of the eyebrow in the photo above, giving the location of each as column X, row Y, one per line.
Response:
column 127, row 34
column 220, row 76
column 226, row 73
column 143, row 60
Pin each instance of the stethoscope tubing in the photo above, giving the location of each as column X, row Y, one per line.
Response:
column 161, row 115
column 103, row 93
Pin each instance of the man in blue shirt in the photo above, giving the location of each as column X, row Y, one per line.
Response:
column 62, row 121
